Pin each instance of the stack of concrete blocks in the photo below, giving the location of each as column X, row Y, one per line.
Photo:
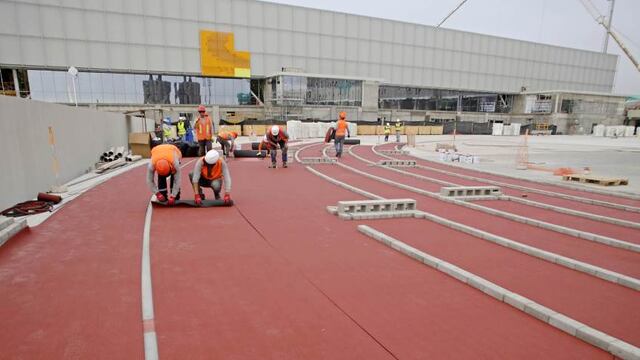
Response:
column 9, row 227
column 599, row 130
column 397, row 163
column 394, row 152
column 629, row 130
column 497, row 129
column 470, row 191
column 375, row 209
column 318, row 160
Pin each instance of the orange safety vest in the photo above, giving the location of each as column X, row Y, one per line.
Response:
column 226, row 135
column 341, row 128
column 211, row 172
column 203, row 131
column 166, row 152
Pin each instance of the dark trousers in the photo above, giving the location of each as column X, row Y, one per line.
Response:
column 205, row 145
column 162, row 186
column 283, row 148
column 386, row 137
column 226, row 146
column 215, row 185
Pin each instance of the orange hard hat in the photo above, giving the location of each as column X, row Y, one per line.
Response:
column 162, row 167
column 343, row 115
column 201, row 108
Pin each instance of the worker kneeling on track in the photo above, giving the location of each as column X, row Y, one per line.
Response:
column 278, row 138
column 165, row 161
column 264, row 144
column 211, row 171
column 227, row 141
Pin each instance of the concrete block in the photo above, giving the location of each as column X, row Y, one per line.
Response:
column 453, row 271
column 333, row 210
column 5, row 221
column 565, row 324
column 398, row 163
column 470, row 191
column 12, row 229
column 538, row 311
column 517, row 301
column 343, row 216
column 595, row 337
column 624, row 350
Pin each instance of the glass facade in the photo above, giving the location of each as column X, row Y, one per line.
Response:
column 409, row 98
column 299, row 90
column 120, row 88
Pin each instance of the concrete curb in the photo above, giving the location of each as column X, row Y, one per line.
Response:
column 568, row 325
column 560, row 260
column 344, row 185
column 563, row 210
column 5, row 221
column 531, row 190
column 541, row 224
column 624, row 195
column 604, row 274
column 297, row 153
column 10, row 228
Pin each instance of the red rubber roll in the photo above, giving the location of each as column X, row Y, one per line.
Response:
column 49, row 198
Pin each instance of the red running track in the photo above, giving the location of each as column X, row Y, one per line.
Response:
column 615, row 259
column 575, row 222
column 71, row 286
column 547, row 187
column 546, row 199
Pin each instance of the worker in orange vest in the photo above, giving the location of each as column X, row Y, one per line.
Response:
column 277, row 137
column 210, row 171
column 342, row 129
column 165, row 161
column 204, row 130
column 227, row 141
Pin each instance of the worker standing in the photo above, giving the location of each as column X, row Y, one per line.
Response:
column 342, row 128
column 278, row 137
column 211, row 171
column 398, row 129
column 227, row 141
column 204, row 130
column 165, row 161
column 182, row 130
column 387, row 131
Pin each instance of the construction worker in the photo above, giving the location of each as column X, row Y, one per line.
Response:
column 342, row 128
column 278, row 137
column 387, row 131
column 264, row 143
column 204, row 130
column 166, row 129
column 211, row 171
column 227, row 140
column 398, row 127
column 182, row 130
column 165, row 161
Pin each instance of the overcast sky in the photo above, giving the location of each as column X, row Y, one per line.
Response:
column 556, row 22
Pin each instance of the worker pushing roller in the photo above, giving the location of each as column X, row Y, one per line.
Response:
column 277, row 137
column 211, row 171
column 227, row 141
column 204, row 130
column 342, row 129
column 165, row 161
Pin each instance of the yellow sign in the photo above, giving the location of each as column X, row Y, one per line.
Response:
column 218, row 57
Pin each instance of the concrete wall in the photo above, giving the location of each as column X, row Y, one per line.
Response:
column 162, row 36
column 81, row 135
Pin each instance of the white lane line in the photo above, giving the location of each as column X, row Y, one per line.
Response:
column 148, row 318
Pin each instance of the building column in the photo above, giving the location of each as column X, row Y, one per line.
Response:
column 16, row 84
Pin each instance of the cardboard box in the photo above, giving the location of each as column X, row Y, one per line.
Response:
column 411, row 130
column 258, row 130
column 436, row 130
column 140, row 144
column 424, row 130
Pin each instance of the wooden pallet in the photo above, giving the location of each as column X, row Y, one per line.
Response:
column 596, row 180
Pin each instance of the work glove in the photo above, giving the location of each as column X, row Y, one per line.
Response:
column 348, row 135
column 172, row 200
column 160, row 197
column 227, row 198
column 198, row 200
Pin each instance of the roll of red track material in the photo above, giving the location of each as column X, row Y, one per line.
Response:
column 49, row 198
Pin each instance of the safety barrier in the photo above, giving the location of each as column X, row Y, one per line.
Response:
column 466, row 191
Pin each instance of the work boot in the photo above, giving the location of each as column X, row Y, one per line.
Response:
column 284, row 165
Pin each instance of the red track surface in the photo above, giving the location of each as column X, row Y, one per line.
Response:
column 276, row 276
column 622, row 261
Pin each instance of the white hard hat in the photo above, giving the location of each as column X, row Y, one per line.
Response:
column 212, row 157
column 397, row 120
column 275, row 130
column 182, row 118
